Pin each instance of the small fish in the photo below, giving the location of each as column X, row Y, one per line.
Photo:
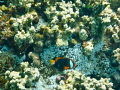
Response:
column 62, row 63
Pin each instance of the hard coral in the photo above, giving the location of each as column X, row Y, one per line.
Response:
column 6, row 33
column 117, row 54
column 6, row 63
column 22, row 3
column 23, row 79
column 88, row 47
column 78, row 81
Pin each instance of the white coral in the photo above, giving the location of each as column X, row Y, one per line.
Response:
column 117, row 54
column 61, row 42
column 18, row 80
column 83, row 34
column 88, row 48
column 80, row 81
column 22, row 37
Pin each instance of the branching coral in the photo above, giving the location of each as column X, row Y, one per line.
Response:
column 116, row 33
column 66, row 20
column 77, row 81
column 21, row 80
column 6, row 62
column 22, row 3
column 117, row 54
column 83, row 34
column 22, row 37
column 5, row 28
column 62, row 17
column 88, row 47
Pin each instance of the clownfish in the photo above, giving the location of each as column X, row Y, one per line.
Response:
column 62, row 63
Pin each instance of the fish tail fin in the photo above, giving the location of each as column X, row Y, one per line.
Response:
column 52, row 62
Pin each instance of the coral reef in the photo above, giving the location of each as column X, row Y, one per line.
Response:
column 65, row 22
column 27, row 4
column 86, row 31
column 83, row 34
column 116, row 34
column 6, row 63
column 84, row 64
column 40, row 64
column 88, row 47
column 23, row 79
column 117, row 55
column 78, row 81
column 116, row 76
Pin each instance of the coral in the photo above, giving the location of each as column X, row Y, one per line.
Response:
column 92, row 65
column 64, row 11
column 22, row 37
column 22, row 3
column 61, row 42
column 35, row 59
column 116, row 34
column 23, row 79
column 117, row 55
column 83, row 34
column 5, row 28
column 73, row 41
column 59, row 23
column 61, row 28
column 46, row 72
column 39, row 38
column 22, row 21
column 62, row 38
column 78, row 81
column 62, row 17
column 6, row 63
column 23, row 26
column 116, row 80
column 88, row 47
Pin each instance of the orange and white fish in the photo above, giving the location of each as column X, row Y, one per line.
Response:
column 62, row 63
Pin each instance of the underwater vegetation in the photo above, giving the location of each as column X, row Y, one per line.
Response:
column 84, row 33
